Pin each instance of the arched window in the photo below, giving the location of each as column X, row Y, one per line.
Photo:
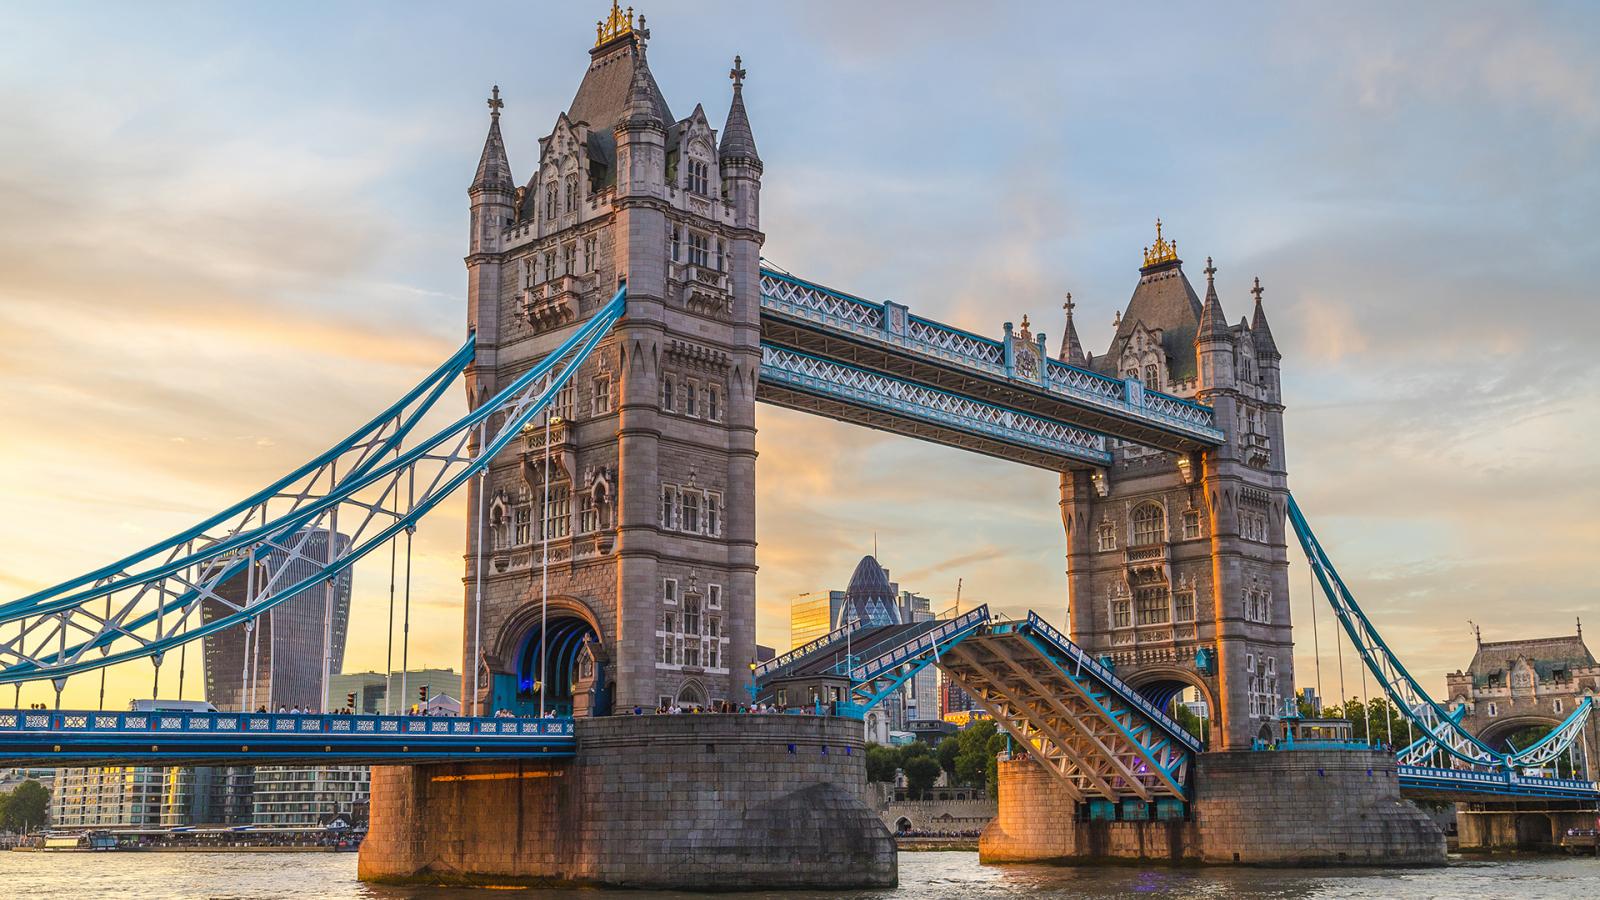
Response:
column 550, row 201
column 692, row 695
column 1149, row 525
column 572, row 193
column 1150, row 380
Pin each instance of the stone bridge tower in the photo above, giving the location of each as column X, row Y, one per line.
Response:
column 1177, row 567
column 649, row 466
column 1516, row 686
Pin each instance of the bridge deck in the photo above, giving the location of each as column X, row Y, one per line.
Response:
column 1466, row 784
column 84, row 738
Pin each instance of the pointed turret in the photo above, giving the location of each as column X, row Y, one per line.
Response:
column 738, row 141
column 641, row 110
column 1071, row 351
column 1265, row 345
column 1213, row 322
column 494, row 169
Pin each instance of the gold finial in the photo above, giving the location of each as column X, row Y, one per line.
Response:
column 1161, row 251
column 615, row 25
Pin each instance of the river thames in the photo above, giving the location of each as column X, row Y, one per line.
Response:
column 330, row 876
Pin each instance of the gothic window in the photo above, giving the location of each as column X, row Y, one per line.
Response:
column 714, row 515
column 1106, row 537
column 550, row 201
column 714, row 403
column 720, row 251
column 588, row 514
column 691, row 653
column 714, row 596
column 691, row 615
column 689, row 519
column 1183, row 606
column 1151, row 380
column 572, row 193
column 561, row 408
column 677, row 243
column 1149, row 525
column 549, row 265
column 669, row 394
column 1493, row 710
column 1133, row 374
column 569, row 259
column 588, row 254
column 691, row 399
column 1121, row 612
column 522, row 525
column 1151, row 606
column 1191, row 524
column 697, row 249
column 669, row 591
column 558, row 513
column 600, row 399
column 669, row 506
column 698, row 171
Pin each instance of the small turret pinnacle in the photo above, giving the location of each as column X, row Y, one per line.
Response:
column 641, row 109
column 1213, row 323
column 494, row 169
column 1265, row 345
column 1071, row 351
column 738, row 141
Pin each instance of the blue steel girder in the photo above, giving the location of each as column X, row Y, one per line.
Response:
column 1430, row 781
column 1091, row 735
column 1442, row 731
column 153, row 611
column 73, row 737
column 810, row 384
column 886, row 337
column 875, row 679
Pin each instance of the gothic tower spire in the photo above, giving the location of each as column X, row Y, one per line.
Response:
column 1213, row 322
column 494, row 169
column 1265, row 345
column 1071, row 351
column 738, row 141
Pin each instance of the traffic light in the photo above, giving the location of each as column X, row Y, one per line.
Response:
column 350, row 701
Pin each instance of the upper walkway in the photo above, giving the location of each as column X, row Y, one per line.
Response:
column 89, row 738
column 840, row 342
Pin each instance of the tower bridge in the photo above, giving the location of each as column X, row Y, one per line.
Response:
column 621, row 328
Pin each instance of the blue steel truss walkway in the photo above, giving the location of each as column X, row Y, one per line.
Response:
column 87, row 738
column 1097, row 735
column 877, row 364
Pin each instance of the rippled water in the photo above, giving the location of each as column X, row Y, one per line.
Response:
column 159, row 876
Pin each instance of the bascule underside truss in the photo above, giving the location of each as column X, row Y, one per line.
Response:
column 1095, row 743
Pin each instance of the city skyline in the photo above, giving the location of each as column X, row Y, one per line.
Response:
column 1426, row 289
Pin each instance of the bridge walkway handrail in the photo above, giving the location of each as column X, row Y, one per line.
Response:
column 264, row 726
column 818, row 304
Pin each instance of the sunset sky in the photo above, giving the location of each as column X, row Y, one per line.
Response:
column 230, row 233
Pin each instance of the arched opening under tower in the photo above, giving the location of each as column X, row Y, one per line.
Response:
column 1182, row 695
column 555, row 662
column 1520, row 732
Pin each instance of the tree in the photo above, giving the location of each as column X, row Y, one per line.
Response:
column 973, row 758
column 921, row 772
column 28, row 807
column 881, row 763
column 947, row 751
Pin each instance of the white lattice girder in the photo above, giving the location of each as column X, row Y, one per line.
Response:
column 913, row 401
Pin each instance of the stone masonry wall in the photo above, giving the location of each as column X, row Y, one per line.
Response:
column 689, row 802
column 1310, row 808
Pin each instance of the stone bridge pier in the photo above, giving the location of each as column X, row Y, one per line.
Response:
column 687, row 802
column 1292, row 808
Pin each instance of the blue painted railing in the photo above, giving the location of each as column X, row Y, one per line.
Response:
column 892, row 325
column 859, row 387
column 236, row 737
column 1503, row 782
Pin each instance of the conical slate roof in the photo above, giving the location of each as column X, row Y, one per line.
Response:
column 1213, row 322
column 494, row 169
column 1265, row 345
column 738, row 141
